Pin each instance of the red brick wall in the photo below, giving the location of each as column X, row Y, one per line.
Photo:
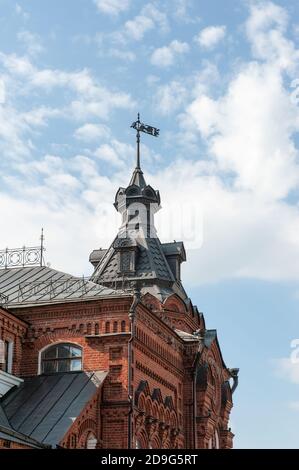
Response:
column 4, row 444
column 160, row 358
column 13, row 329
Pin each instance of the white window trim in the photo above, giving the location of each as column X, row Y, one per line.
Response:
column 10, row 356
column 39, row 368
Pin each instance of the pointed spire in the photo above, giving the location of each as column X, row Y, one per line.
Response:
column 138, row 178
column 138, row 142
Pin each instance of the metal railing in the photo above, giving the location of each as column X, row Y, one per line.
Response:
column 3, row 300
column 21, row 257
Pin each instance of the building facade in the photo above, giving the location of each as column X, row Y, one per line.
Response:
column 122, row 360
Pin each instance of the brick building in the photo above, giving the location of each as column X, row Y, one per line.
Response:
column 122, row 360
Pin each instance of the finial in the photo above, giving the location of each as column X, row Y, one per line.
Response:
column 42, row 238
column 140, row 127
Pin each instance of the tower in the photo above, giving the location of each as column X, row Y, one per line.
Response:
column 136, row 256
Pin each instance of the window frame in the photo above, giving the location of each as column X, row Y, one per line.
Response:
column 58, row 359
column 8, row 356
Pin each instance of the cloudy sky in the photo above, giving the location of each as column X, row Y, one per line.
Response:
column 221, row 81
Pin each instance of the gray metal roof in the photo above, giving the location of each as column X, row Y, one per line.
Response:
column 45, row 406
column 174, row 248
column 9, row 434
column 3, row 418
column 43, row 285
column 151, row 263
column 187, row 336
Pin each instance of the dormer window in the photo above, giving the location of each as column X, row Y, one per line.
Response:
column 127, row 261
column 61, row 358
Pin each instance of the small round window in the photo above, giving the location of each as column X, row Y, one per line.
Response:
column 61, row 358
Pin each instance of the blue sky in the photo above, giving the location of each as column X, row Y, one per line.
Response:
column 220, row 80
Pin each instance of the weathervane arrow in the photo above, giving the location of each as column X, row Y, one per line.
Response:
column 140, row 127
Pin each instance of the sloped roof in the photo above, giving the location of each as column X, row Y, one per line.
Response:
column 9, row 434
column 138, row 178
column 3, row 418
column 187, row 336
column 44, row 285
column 45, row 406
column 174, row 248
column 151, row 263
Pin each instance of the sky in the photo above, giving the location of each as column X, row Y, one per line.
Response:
column 220, row 79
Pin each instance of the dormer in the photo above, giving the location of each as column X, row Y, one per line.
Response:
column 175, row 254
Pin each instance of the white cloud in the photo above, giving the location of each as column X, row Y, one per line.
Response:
column 90, row 132
column 137, row 27
column 209, row 37
column 112, row 7
column 116, row 153
column 2, row 90
column 126, row 55
column 180, row 10
column 287, row 369
column 265, row 29
column 32, row 42
column 239, row 186
column 254, row 142
column 17, row 65
column 21, row 12
column 90, row 97
column 149, row 18
column 167, row 55
column 170, row 97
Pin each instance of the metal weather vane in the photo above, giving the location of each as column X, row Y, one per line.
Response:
column 140, row 127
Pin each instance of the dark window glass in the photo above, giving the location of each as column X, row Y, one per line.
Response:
column 61, row 358
column 6, row 349
column 49, row 367
column 63, row 350
column 50, row 353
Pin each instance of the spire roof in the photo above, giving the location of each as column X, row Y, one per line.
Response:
column 138, row 178
column 137, row 255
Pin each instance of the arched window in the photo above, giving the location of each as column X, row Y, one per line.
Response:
column 91, row 441
column 115, row 327
column 61, row 358
column 73, row 441
column 138, row 444
column 123, row 326
column 214, row 442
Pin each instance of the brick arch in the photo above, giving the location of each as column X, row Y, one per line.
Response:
column 166, row 444
column 56, row 337
column 142, row 438
column 148, row 406
column 173, row 419
column 47, row 341
column 88, row 424
column 175, row 303
column 156, row 421
column 87, row 428
column 151, row 302
column 155, row 410
column 161, row 412
column 141, row 403
column 167, row 417
column 155, row 442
